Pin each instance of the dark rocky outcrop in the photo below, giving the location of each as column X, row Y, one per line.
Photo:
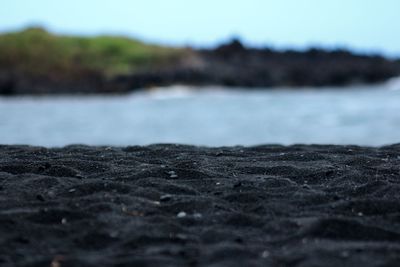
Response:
column 233, row 65
column 314, row 67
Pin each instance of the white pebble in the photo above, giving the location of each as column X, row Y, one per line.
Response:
column 197, row 215
column 265, row 254
column 181, row 214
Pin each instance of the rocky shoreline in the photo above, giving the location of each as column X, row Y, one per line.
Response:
column 175, row 205
column 231, row 65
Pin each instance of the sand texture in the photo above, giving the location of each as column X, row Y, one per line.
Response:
column 172, row 205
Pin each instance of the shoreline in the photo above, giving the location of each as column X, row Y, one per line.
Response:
column 181, row 205
column 69, row 68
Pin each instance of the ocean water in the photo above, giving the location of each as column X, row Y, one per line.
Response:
column 211, row 116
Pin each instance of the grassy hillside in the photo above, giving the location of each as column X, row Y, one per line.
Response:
column 35, row 51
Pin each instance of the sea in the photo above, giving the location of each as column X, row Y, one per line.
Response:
column 207, row 116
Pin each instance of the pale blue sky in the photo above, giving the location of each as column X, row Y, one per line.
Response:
column 365, row 25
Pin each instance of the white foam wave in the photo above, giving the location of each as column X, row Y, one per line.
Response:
column 393, row 84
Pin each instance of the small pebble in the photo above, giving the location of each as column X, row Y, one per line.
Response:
column 219, row 153
column 64, row 221
column 197, row 215
column 165, row 197
column 181, row 236
column 114, row 234
column 344, row 254
column 72, row 190
column 41, row 168
column 172, row 174
column 265, row 254
column 181, row 214
column 40, row 197
column 237, row 184
column 79, row 176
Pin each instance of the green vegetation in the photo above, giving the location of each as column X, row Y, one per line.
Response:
column 35, row 51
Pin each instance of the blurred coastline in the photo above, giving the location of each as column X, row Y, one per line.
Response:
column 34, row 62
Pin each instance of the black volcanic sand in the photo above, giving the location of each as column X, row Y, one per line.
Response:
column 171, row 205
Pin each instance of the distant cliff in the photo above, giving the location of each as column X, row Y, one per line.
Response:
column 34, row 61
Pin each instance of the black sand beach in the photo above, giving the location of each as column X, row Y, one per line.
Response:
column 171, row 205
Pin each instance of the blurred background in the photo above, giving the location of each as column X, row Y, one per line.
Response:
column 211, row 73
